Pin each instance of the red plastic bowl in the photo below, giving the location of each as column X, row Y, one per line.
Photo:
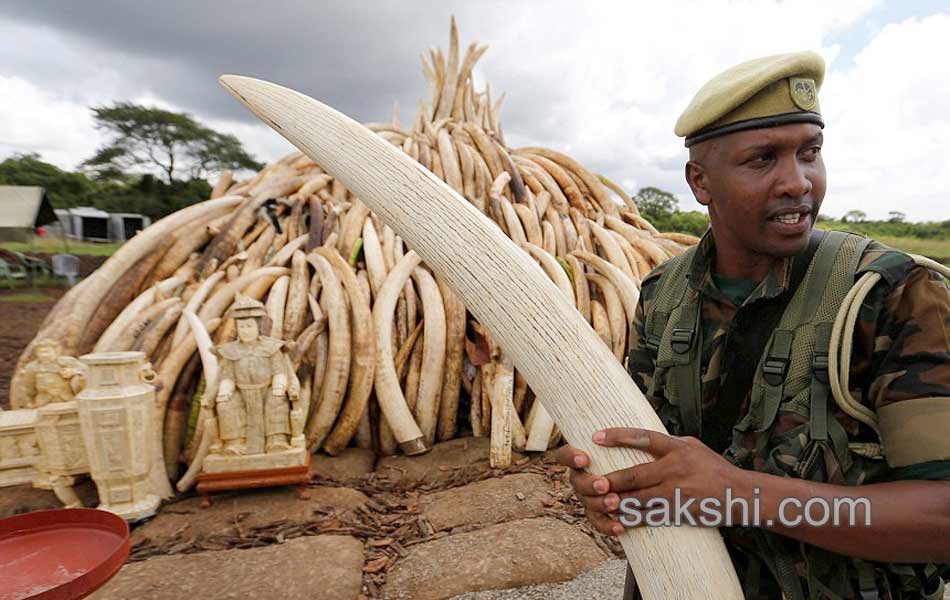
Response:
column 60, row 554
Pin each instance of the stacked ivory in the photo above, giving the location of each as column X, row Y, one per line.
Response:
column 386, row 352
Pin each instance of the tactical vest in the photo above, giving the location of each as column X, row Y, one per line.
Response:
column 791, row 376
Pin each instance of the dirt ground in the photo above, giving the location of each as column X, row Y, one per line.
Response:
column 19, row 321
column 22, row 310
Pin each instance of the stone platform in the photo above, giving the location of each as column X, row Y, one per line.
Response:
column 430, row 527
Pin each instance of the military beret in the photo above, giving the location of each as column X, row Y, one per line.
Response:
column 765, row 92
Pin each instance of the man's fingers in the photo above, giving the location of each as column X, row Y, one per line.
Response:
column 654, row 442
column 637, row 477
column 607, row 503
column 569, row 456
column 604, row 523
column 586, row 484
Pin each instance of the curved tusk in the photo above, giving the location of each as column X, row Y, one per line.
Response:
column 521, row 307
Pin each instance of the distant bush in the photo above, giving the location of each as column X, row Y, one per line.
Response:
column 926, row 231
column 128, row 193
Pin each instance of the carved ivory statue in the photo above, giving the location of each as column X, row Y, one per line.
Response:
column 51, row 377
column 256, row 413
column 50, row 384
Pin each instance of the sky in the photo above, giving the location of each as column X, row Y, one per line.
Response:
column 601, row 81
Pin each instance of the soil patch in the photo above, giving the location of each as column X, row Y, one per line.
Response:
column 20, row 319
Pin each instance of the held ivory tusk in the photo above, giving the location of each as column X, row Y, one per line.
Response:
column 522, row 308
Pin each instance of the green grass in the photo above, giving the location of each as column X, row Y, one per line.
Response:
column 58, row 246
column 936, row 249
column 26, row 297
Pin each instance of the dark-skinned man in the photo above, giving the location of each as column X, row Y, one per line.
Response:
column 730, row 344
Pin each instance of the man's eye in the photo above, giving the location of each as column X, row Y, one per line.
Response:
column 812, row 153
column 760, row 159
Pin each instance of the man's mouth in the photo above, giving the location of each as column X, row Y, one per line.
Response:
column 790, row 218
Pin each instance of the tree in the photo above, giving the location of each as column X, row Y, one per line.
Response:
column 155, row 140
column 896, row 216
column 63, row 189
column 655, row 203
column 854, row 216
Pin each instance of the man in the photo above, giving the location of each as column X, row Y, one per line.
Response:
column 730, row 346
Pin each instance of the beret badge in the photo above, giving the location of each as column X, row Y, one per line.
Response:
column 804, row 93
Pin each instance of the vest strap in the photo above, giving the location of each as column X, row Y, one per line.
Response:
column 774, row 369
column 818, row 413
column 686, row 343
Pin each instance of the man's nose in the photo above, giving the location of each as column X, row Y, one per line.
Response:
column 792, row 182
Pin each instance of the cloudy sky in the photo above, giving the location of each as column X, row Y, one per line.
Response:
column 602, row 81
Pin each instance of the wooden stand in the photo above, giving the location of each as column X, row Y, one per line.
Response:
column 239, row 480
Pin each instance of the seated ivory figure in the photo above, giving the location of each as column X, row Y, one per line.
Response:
column 51, row 377
column 50, row 384
column 257, row 408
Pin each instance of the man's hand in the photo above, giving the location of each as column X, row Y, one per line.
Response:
column 681, row 463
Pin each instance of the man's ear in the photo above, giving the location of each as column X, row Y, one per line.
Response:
column 698, row 182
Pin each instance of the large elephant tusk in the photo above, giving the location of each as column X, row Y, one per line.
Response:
column 522, row 308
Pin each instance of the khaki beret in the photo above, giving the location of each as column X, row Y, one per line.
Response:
column 765, row 92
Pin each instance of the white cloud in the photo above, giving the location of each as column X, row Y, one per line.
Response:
column 602, row 81
column 623, row 75
column 33, row 120
column 887, row 124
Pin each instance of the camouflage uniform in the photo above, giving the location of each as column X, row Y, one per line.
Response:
column 900, row 352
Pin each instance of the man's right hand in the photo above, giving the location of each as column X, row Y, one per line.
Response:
column 592, row 490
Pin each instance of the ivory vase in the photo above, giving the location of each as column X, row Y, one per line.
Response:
column 116, row 409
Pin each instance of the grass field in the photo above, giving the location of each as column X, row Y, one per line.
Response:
column 26, row 297
column 936, row 249
column 58, row 246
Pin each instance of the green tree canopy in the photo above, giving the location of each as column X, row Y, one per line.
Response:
column 152, row 140
column 63, row 189
column 661, row 208
column 655, row 203
column 854, row 216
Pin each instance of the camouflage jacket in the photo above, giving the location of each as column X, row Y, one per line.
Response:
column 901, row 352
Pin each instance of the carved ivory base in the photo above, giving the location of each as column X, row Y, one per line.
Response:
column 62, row 451
column 117, row 412
column 223, row 463
column 18, row 447
column 296, row 472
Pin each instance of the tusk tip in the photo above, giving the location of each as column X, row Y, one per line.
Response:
column 240, row 86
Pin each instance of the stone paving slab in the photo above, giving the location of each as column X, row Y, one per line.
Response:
column 487, row 502
column 519, row 553
column 324, row 567
column 440, row 463
column 350, row 464
column 235, row 512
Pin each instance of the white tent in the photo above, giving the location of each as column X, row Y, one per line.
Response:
column 22, row 210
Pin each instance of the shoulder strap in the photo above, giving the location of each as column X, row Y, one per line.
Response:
column 670, row 289
column 738, row 382
column 774, row 366
column 671, row 326
column 794, row 366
